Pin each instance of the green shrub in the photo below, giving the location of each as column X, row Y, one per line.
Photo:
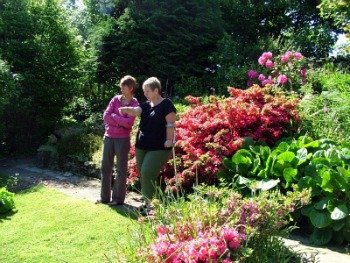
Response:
column 6, row 201
column 8, row 181
column 325, row 108
column 80, row 144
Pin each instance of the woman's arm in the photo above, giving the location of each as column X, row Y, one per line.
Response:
column 170, row 130
column 132, row 111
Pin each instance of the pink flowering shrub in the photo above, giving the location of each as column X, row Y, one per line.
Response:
column 206, row 133
column 286, row 71
column 217, row 225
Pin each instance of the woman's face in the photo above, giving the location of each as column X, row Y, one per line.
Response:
column 126, row 90
column 150, row 94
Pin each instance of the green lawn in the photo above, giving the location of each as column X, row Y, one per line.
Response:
column 52, row 227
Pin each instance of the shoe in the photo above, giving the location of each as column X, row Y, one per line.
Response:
column 146, row 210
column 99, row 201
column 115, row 203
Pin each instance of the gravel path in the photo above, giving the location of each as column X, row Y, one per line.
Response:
column 30, row 175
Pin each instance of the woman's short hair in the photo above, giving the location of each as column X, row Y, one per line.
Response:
column 128, row 81
column 153, row 83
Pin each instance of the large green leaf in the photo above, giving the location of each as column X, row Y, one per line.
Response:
column 290, row 175
column 340, row 212
column 243, row 180
column 345, row 173
column 322, row 204
column 286, row 157
column 262, row 174
column 319, row 154
column 345, row 153
column 321, row 236
column 338, row 224
column 302, row 155
column 320, row 219
column 310, row 170
column 283, row 146
column 306, row 210
column 265, row 151
column 242, row 156
column 266, row 184
column 313, row 144
column 320, row 160
column 228, row 164
column 326, row 181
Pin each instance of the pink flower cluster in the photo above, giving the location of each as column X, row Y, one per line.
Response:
column 217, row 235
column 285, row 70
column 206, row 244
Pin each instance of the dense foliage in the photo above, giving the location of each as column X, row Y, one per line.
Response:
column 44, row 54
column 319, row 165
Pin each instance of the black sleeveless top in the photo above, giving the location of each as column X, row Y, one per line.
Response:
column 152, row 131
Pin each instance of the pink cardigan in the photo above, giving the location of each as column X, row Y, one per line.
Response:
column 118, row 125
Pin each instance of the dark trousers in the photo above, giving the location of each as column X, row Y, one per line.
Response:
column 112, row 147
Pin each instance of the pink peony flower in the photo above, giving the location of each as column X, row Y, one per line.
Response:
column 282, row 79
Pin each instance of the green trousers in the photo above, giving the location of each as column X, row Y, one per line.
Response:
column 150, row 164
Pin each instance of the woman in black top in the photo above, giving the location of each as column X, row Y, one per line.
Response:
column 155, row 136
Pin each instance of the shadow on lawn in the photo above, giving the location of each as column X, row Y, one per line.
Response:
column 7, row 216
column 127, row 210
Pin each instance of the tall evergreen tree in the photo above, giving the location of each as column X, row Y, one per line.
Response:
column 165, row 38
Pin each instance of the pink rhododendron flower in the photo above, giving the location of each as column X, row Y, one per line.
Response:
column 282, row 79
column 267, row 81
column 261, row 77
column 284, row 59
column 264, row 57
column 303, row 72
column 298, row 56
column 269, row 64
column 252, row 74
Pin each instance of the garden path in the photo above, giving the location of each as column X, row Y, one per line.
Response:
column 28, row 175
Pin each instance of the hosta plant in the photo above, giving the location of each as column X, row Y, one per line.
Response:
column 321, row 165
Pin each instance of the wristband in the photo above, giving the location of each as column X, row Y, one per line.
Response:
column 170, row 125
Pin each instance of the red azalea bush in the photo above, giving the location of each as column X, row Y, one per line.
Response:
column 206, row 133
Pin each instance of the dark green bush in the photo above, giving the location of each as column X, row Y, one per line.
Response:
column 78, row 145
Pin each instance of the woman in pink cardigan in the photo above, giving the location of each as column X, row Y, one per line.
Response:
column 116, row 142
